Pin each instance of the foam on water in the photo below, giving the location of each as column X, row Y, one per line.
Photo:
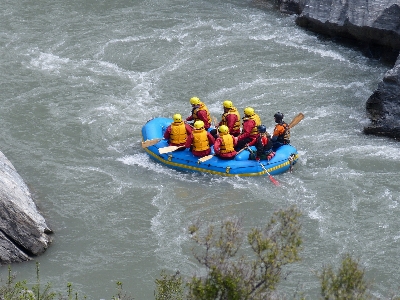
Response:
column 73, row 109
column 143, row 160
column 49, row 62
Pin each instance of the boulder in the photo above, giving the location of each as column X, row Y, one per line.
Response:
column 383, row 106
column 374, row 25
column 23, row 230
column 292, row 7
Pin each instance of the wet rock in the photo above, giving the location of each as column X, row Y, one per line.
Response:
column 374, row 21
column 23, row 230
column 374, row 25
column 383, row 106
column 9, row 252
column 291, row 6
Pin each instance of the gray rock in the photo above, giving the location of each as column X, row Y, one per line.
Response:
column 9, row 252
column 23, row 230
column 291, row 6
column 383, row 106
column 373, row 22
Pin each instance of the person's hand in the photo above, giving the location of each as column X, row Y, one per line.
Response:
column 257, row 158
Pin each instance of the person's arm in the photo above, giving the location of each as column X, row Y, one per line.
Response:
column 167, row 133
column 189, row 129
column 252, row 142
column 190, row 118
column 189, row 141
column 211, row 139
column 217, row 146
column 269, row 143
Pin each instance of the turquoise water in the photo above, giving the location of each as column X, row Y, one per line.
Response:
column 78, row 81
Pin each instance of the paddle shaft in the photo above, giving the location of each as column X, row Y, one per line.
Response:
column 273, row 180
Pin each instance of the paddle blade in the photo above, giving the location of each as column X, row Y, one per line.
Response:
column 273, row 180
column 205, row 158
column 168, row 149
column 296, row 120
column 149, row 143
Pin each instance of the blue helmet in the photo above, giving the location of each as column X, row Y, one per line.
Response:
column 262, row 129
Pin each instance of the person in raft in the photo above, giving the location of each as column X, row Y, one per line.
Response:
column 263, row 144
column 199, row 112
column 177, row 133
column 225, row 143
column 249, row 131
column 281, row 135
column 200, row 140
column 230, row 118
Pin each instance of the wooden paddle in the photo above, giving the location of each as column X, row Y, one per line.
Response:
column 273, row 180
column 169, row 149
column 149, row 143
column 296, row 120
column 205, row 158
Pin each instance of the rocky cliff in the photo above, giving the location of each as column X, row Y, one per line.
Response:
column 384, row 106
column 23, row 230
column 375, row 26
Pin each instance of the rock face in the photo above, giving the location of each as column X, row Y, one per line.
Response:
column 372, row 22
column 23, row 230
column 291, row 6
column 384, row 106
column 375, row 26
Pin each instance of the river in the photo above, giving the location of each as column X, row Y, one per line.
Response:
column 80, row 78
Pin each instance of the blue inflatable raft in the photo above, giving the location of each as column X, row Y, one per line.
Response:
column 286, row 156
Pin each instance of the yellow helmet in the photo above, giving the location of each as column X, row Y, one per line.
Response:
column 194, row 101
column 198, row 124
column 249, row 111
column 223, row 129
column 177, row 118
column 228, row 104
